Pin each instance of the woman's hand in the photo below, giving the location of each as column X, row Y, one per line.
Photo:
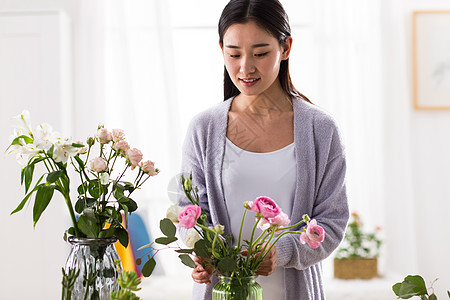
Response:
column 201, row 274
column 269, row 264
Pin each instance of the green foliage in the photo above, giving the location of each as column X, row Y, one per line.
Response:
column 68, row 282
column 357, row 243
column 414, row 285
column 101, row 199
column 129, row 283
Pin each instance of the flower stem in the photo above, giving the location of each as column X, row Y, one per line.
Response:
column 240, row 230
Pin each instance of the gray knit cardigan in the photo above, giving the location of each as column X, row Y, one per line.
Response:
column 320, row 190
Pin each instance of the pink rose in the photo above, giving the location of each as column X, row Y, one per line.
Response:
column 104, row 136
column 117, row 135
column 134, row 156
column 148, row 167
column 189, row 215
column 121, row 146
column 314, row 234
column 265, row 206
column 98, row 164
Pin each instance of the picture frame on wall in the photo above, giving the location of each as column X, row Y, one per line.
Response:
column 431, row 60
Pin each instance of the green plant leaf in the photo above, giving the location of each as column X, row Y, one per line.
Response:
column 226, row 265
column 50, row 151
column 118, row 191
column 25, row 200
column 26, row 138
column 148, row 267
column 201, row 248
column 89, row 228
column 122, row 235
column 187, row 251
column 95, row 189
column 28, row 176
column 432, row 297
column 187, row 260
column 448, row 293
column 89, row 213
column 82, row 188
column 165, row 240
column 54, row 176
column 396, row 288
column 106, row 233
column 43, row 196
column 167, row 227
column 79, row 205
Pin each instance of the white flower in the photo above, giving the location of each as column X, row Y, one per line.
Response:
column 25, row 153
column 191, row 238
column 172, row 213
column 117, row 135
column 104, row 178
column 25, row 122
column 45, row 137
column 98, row 164
column 63, row 150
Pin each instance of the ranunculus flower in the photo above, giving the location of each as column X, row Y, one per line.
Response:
column 265, row 206
column 134, row 156
column 117, row 135
column 104, row 136
column 172, row 213
column 121, row 146
column 189, row 215
column 280, row 220
column 98, row 164
column 314, row 234
column 191, row 238
column 148, row 167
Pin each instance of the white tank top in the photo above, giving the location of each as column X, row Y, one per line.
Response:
column 248, row 175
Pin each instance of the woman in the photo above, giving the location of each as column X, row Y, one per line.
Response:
column 267, row 139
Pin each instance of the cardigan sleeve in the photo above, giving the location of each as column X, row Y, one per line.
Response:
column 328, row 204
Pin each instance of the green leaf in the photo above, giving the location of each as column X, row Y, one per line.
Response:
column 201, row 248
column 26, row 138
column 50, row 151
column 432, row 297
column 122, row 235
column 43, row 196
column 187, row 251
column 167, row 227
column 148, row 267
column 187, row 260
column 79, row 205
column 54, row 176
column 79, row 161
column 396, row 288
column 89, row 213
column 165, row 240
column 448, row 293
column 95, row 189
column 89, row 228
column 25, row 200
column 107, row 233
column 28, row 176
column 118, row 191
column 226, row 265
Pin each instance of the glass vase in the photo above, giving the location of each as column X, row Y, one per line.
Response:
column 234, row 288
column 95, row 261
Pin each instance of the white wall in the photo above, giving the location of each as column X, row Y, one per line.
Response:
column 417, row 167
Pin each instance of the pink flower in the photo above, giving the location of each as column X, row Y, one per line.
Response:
column 98, row 164
column 189, row 215
column 134, row 156
column 265, row 206
column 148, row 167
column 314, row 234
column 121, row 146
column 104, row 136
column 280, row 220
column 117, row 135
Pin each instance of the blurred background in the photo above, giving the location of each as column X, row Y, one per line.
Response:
column 149, row 66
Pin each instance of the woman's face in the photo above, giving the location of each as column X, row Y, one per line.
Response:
column 252, row 57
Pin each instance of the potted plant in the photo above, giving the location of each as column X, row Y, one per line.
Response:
column 414, row 285
column 99, row 212
column 357, row 257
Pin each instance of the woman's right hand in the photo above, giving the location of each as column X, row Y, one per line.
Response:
column 201, row 274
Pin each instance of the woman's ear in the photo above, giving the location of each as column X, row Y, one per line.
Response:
column 287, row 46
column 221, row 46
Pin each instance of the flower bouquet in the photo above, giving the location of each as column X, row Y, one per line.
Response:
column 235, row 263
column 358, row 253
column 103, row 202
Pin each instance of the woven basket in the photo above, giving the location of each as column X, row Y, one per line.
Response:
column 355, row 268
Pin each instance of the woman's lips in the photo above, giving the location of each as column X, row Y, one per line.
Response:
column 249, row 81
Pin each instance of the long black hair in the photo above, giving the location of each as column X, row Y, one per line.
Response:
column 270, row 15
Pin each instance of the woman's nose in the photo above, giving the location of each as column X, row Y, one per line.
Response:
column 247, row 65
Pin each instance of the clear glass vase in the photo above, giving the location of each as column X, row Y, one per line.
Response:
column 233, row 288
column 95, row 259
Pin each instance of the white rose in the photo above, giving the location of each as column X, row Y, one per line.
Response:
column 104, row 136
column 172, row 213
column 98, row 164
column 118, row 135
column 192, row 237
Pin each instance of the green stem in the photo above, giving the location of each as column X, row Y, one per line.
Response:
column 240, row 230
column 72, row 214
column 250, row 245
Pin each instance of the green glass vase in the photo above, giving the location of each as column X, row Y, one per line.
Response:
column 234, row 288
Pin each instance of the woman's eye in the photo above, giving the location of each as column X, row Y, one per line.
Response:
column 261, row 54
column 234, row 55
